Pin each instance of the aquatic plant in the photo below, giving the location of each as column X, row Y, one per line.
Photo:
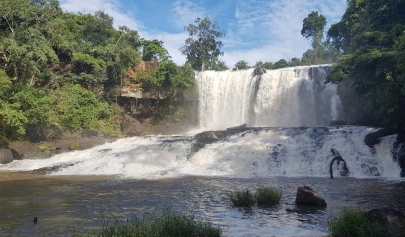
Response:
column 166, row 224
column 267, row 196
column 243, row 198
column 351, row 223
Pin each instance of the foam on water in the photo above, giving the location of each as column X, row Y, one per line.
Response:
column 266, row 153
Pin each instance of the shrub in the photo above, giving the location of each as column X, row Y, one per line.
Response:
column 354, row 224
column 242, row 198
column 168, row 224
column 266, row 196
column 44, row 146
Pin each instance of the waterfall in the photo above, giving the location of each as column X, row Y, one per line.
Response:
column 287, row 97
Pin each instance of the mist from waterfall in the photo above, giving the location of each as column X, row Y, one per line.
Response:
column 288, row 97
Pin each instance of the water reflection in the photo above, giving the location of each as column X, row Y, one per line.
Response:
column 66, row 204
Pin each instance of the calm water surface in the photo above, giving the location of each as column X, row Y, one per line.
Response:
column 64, row 204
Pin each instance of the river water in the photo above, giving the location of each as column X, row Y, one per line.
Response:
column 141, row 175
column 64, row 204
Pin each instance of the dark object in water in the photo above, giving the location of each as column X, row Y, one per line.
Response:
column 35, row 220
column 338, row 158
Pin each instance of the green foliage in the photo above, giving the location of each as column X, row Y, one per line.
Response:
column 313, row 26
column 280, row 64
column 354, row 224
column 241, row 64
column 75, row 107
column 371, row 35
column 167, row 224
column 267, row 196
column 202, row 48
column 243, row 198
column 153, row 50
column 44, row 146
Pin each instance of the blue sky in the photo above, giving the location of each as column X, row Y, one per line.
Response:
column 255, row 30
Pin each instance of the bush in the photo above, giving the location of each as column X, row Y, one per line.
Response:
column 354, row 224
column 242, row 198
column 266, row 196
column 76, row 107
column 168, row 224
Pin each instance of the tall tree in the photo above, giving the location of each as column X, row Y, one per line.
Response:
column 153, row 50
column 202, row 48
column 313, row 26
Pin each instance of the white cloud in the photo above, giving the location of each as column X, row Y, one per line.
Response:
column 185, row 12
column 110, row 7
column 269, row 31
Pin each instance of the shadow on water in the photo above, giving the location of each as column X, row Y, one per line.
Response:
column 66, row 204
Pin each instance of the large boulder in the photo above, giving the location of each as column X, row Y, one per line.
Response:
column 131, row 126
column 373, row 138
column 6, row 155
column 307, row 196
column 393, row 219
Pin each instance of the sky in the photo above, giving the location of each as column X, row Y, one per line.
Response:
column 255, row 30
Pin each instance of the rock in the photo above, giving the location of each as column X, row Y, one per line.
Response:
column 307, row 196
column 373, row 138
column 131, row 126
column 393, row 219
column 237, row 127
column 337, row 123
column 259, row 71
column 6, row 155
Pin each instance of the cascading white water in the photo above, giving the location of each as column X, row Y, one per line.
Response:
column 265, row 153
column 288, row 97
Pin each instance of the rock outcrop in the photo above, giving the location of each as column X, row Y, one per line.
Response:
column 307, row 196
column 259, row 71
column 393, row 219
column 131, row 126
column 373, row 138
column 6, row 155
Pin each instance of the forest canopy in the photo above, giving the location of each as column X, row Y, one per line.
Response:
column 55, row 64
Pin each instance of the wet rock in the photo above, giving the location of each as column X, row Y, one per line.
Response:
column 6, row 155
column 373, row 138
column 393, row 219
column 259, row 71
column 337, row 123
column 307, row 196
column 131, row 126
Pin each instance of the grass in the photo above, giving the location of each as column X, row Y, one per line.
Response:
column 267, row 196
column 352, row 223
column 167, row 224
column 242, row 198
column 264, row 196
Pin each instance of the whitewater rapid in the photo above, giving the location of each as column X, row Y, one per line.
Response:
column 253, row 153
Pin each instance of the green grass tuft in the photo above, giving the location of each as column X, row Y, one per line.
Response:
column 242, row 198
column 167, row 224
column 354, row 224
column 267, row 196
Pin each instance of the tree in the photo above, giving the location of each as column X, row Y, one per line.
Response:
column 280, row 64
column 220, row 65
column 371, row 35
column 241, row 65
column 268, row 65
column 153, row 50
column 202, row 48
column 294, row 62
column 313, row 27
